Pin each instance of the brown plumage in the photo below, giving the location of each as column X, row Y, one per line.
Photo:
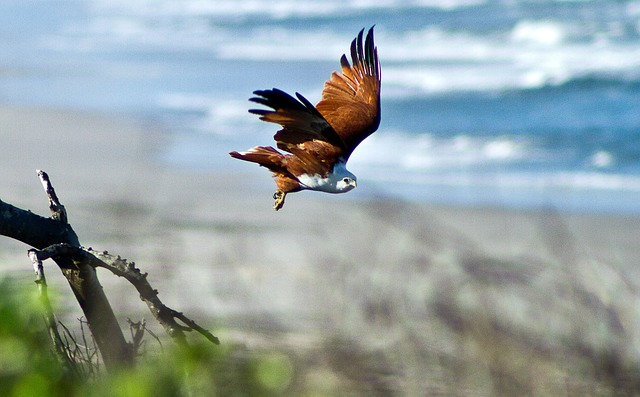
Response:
column 319, row 140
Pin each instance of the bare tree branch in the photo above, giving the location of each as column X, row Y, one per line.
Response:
column 33, row 229
column 58, row 212
column 121, row 267
column 40, row 232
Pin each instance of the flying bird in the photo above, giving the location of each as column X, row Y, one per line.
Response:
column 318, row 140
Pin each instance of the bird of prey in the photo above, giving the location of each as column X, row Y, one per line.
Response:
column 318, row 140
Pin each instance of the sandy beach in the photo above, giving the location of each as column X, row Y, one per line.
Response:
column 373, row 295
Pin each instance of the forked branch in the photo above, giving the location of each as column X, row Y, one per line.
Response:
column 40, row 232
column 166, row 316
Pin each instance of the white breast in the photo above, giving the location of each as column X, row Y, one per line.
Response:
column 333, row 183
column 316, row 182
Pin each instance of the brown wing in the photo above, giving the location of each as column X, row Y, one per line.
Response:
column 305, row 132
column 351, row 99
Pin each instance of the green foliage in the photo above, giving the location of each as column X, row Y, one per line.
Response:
column 28, row 366
column 203, row 370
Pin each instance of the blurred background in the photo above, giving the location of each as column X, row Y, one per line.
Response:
column 491, row 247
column 509, row 103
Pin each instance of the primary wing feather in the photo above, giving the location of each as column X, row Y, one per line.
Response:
column 351, row 99
column 304, row 129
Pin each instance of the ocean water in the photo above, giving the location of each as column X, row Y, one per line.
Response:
column 507, row 103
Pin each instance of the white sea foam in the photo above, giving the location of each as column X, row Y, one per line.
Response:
column 482, row 162
column 539, row 33
column 532, row 53
column 425, row 152
column 516, row 182
column 602, row 159
column 279, row 44
column 278, row 9
column 432, row 61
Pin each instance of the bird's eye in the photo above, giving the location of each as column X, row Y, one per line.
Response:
column 345, row 180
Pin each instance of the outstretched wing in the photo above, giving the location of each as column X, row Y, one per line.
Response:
column 351, row 99
column 305, row 132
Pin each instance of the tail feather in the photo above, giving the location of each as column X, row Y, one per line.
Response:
column 266, row 156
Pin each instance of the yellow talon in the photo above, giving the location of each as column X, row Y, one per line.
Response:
column 279, row 198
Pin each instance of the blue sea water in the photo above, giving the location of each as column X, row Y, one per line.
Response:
column 509, row 103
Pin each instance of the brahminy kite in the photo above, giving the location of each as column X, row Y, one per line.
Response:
column 319, row 140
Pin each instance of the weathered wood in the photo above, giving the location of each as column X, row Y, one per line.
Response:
column 40, row 232
column 174, row 322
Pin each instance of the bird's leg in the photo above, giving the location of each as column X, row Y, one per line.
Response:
column 278, row 196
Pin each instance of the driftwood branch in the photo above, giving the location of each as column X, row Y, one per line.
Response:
column 41, row 232
column 58, row 212
column 166, row 316
column 163, row 314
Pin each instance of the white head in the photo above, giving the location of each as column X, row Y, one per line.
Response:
column 343, row 179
